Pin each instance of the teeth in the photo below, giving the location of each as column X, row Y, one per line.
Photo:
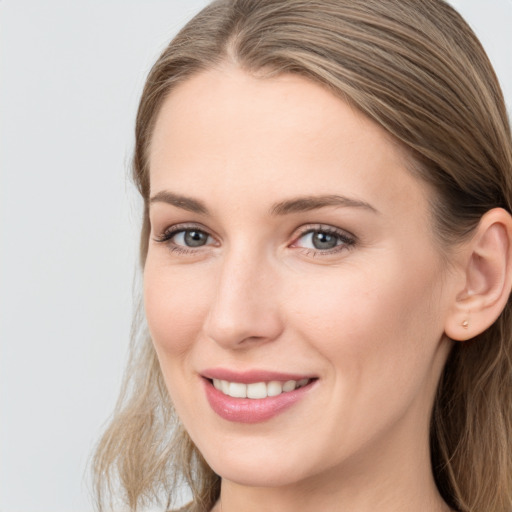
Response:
column 289, row 385
column 237, row 390
column 274, row 388
column 257, row 390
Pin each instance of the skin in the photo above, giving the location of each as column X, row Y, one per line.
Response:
column 367, row 320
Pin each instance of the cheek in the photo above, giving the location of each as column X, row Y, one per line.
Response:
column 175, row 305
column 372, row 319
column 378, row 333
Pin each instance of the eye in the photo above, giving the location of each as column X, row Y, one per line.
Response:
column 185, row 239
column 190, row 238
column 326, row 240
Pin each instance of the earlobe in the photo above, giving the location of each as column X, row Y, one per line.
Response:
column 487, row 277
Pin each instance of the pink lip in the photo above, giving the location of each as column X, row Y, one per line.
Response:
column 248, row 410
column 251, row 376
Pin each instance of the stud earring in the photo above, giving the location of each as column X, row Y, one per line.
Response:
column 465, row 324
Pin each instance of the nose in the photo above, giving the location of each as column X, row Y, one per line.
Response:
column 244, row 309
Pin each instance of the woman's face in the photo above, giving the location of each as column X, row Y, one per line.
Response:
column 289, row 243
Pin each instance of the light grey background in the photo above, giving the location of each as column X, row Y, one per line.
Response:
column 70, row 77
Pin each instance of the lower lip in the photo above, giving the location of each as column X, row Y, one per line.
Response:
column 249, row 410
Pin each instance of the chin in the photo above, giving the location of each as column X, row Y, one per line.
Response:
column 250, row 464
column 260, row 474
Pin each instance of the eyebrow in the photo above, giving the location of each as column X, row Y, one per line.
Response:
column 183, row 202
column 295, row 205
column 308, row 203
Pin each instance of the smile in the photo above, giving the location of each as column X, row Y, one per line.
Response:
column 258, row 390
column 254, row 396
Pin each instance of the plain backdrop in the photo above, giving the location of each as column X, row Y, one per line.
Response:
column 71, row 73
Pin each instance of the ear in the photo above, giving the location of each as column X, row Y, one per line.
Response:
column 487, row 277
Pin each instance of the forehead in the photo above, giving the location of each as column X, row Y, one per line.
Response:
column 229, row 134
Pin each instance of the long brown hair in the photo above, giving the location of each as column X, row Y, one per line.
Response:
column 415, row 68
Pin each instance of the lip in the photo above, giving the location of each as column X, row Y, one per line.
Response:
column 248, row 410
column 252, row 376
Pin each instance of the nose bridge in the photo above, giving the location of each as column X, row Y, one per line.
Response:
column 243, row 307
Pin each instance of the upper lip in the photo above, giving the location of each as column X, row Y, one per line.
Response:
column 252, row 376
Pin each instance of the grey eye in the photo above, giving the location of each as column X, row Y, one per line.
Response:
column 320, row 240
column 324, row 241
column 191, row 238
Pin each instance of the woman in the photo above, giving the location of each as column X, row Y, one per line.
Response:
column 326, row 248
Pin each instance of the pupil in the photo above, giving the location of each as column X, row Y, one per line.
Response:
column 195, row 238
column 324, row 241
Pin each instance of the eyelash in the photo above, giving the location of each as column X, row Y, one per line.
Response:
column 346, row 239
column 167, row 235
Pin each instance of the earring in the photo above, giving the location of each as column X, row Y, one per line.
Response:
column 465, row 324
